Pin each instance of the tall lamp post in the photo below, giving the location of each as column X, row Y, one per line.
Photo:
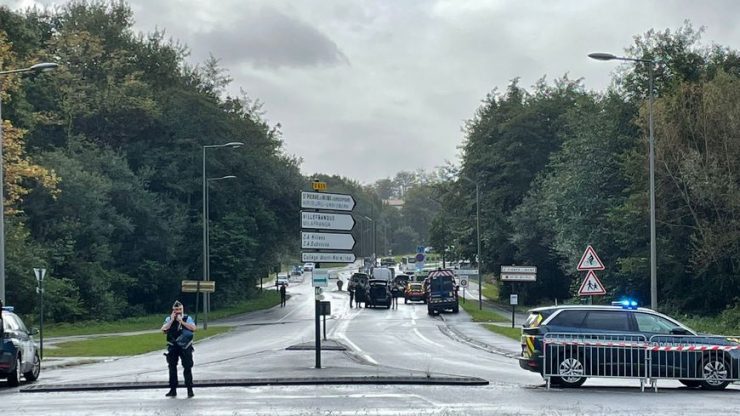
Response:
column 373, row 224
column 38, row 68
column 208, row 231
column 206, row 298
column 477, row 232
column 651, row 157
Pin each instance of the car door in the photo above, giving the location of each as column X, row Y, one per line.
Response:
column 669, row 364
column 19, row 336
column 618, row 354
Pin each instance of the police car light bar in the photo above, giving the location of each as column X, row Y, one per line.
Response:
column 9, row 308
column 626, row 304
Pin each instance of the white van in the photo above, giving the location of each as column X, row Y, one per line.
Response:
column 383, row 273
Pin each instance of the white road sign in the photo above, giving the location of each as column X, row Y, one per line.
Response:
column 322, row 200
column 320, row 278
column 327, row 241
column 466, row 272
column 328, row 257
column 518, row 273
column 591, row 285
column 590, row 260
column 464, row 282
column 325, row 221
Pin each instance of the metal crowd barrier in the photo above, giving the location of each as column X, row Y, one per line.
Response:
column 691, row 359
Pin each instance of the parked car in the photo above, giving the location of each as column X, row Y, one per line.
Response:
column 308, row 267
column 378, row 293
column 623, row 340
column 19, row 356
column 282, row 279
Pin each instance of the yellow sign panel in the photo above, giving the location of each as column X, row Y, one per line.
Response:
column 319, row 186
column 193, row 286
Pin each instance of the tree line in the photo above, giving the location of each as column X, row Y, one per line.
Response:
column 103, row 164
column 560, row 167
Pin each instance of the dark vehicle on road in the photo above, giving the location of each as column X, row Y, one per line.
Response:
column 378, row 294
column 18, row 355
column 388, row 262
column 414, row 293
column 623, row 340
column 440, row 292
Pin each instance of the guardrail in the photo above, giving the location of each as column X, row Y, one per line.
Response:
column 708, row 361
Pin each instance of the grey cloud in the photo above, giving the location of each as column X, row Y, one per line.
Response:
column 269, row 38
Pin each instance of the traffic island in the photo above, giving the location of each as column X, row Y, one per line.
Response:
column 254, row 382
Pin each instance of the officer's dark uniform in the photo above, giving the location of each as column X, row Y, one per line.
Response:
column 175, row 352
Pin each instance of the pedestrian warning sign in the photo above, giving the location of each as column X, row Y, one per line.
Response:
column 590, row 260
column 591, row 285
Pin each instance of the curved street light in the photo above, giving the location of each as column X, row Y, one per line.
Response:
column 206, row 299
column 37, row 68
column 651, row 156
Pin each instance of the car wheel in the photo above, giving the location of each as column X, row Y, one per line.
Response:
column 33, row 375
column 405, row 300
column 691, row 383
column 714, row 369
column 456, row 309
column 14, row 378
column 570, row 370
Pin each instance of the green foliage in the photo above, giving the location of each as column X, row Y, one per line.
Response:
column 123, row 122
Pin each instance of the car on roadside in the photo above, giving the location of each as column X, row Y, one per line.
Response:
column 572, row 342
column 19, row 356
column 282, row 279
column 308, row 267
column 378, row 293
column 414, row 293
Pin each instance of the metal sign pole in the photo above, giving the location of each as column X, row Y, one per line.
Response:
column 317, row 323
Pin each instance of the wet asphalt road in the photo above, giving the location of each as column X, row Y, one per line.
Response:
column 403, row 341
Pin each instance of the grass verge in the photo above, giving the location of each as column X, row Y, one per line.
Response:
column 123, row 345
column 265, row 300
column 490, row 319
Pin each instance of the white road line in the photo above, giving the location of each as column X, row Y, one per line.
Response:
column 416, row 331
column 359, row 350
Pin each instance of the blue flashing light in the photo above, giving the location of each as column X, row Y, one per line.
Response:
column 626, row 304
column 9, row 308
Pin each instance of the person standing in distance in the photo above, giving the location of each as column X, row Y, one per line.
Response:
column 282, row 296
column 179, row 329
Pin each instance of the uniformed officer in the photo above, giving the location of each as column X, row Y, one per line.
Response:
column 179, row 329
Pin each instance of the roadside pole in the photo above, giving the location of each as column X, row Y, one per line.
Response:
column 40, row 273
column 317, row 323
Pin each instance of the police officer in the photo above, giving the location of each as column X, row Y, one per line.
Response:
column 282, row 295
column 351, row 291
column 179, row 329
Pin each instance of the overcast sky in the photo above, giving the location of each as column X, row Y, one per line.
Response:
column 365, row 89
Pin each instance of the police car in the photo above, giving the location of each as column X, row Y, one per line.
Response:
column 619, row 341
column 19, row 356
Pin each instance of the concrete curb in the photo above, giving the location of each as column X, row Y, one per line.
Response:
column 459, row 336
column 251, row 382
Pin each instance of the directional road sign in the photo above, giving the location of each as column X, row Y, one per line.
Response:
column 466, row 272
column 464, row 282
column 328, row 257
column 590, row 260
column 518, row 273
column 327, row 241
column 591, row 285
column 324, row 221
column 202, row 286
column 321, row 200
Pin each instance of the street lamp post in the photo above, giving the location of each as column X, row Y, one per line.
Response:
column 373, row 229
column 477, row 232
column 38, row 68
column 206, row 298
column 208, row 231
column 651, row 158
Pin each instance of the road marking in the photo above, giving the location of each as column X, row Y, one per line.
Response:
column 416, row 331
column 359, row 350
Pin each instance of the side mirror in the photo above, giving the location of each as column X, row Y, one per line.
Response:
column 34, row 331
column 679, row 331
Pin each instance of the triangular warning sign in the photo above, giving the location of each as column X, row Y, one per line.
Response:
column 590, row 261
column 591, row 285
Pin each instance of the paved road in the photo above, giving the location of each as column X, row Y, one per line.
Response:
column 381, row 342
